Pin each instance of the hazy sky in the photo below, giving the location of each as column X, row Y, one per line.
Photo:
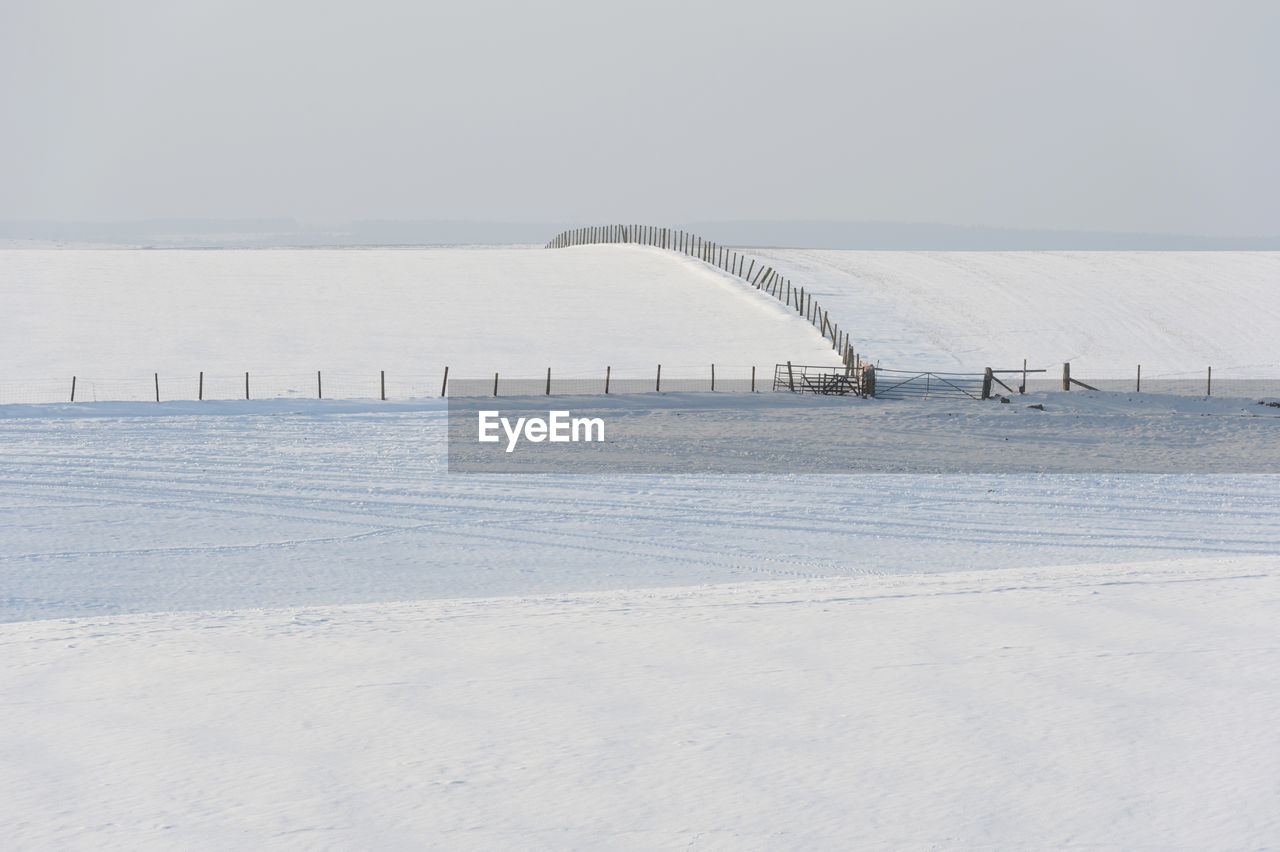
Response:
column 1136, row 116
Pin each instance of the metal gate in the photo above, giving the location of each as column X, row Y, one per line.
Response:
column 800, row 378
column 906, row 384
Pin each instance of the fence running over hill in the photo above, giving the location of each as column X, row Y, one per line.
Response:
column 759, row 276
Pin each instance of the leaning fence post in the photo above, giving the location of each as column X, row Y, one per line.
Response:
column 157, row 376
column 319, row 387
column 658, row 385
column 1066, row 375
column 548, row 393
column 444, row 384
column 607, row 370
column 73, row 388
column 495, row 384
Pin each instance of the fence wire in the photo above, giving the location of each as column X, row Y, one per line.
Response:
column 673, row 379
column 391, row 386
column 1225, row 385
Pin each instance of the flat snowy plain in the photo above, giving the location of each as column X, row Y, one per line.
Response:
column 283, row 624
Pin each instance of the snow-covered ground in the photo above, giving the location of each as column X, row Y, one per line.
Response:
column 118, row 314
column 1104, row 706
column 305, row 503
column 1175, row 313
column 286, row 625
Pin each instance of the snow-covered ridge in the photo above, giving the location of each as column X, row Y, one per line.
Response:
column 1175, row 313
column 765, row 279
column 131, row 314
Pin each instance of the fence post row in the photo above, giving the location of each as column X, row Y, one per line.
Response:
column 692, row 245
column 851, row 358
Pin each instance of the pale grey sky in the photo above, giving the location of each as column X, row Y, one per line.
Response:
column 1153, row 116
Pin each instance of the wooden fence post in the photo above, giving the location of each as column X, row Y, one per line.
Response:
column 73, row 388
column 1066, row 375
column 382, row 383
column 157, row 376
column 607, row 371
column 986, row 383
column 753, row 378
column 1023, row 387
column 1208, row 388
column 548, row 393
column 495, row 384
column 658, row 386
column 200, row 391
column 791, row 378
column 1138, row 388
column 319, row 387
column 246, row 385
column 445, row 384
column 713, row 378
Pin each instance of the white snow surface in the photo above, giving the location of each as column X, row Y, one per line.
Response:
column 1105, row 312
column 518, row 311
column 1104, row 706
column 226, row 505
column 283, row 624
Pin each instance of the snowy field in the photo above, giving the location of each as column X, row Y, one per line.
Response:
column 1101, row 706
column 1175, row 313
column 518, row 311
column 305, row 503
column 285, row 625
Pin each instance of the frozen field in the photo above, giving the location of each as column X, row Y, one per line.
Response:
column 1175, row 313
column 115, row 314
column 1103, row 706
column 306, row 503
column 285, row 625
